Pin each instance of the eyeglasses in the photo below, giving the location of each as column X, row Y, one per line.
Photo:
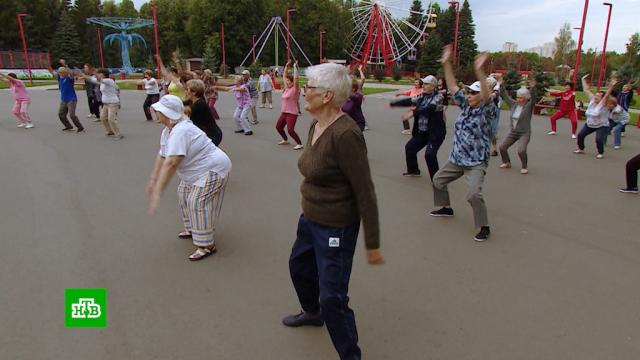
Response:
column 307, row 87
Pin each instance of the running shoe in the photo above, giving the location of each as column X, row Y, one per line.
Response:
column 29, row 126
column 629, row 190
column 443, row 212
column 298, row 147
column 617, row 147
column 573, row 136
column 599, row 156
column 578, row 151
column 303, row 319
column 551, row 133
column 406, row 132
column 283, row 142
column 524, row 171
column 21, row 125
column 483, row 235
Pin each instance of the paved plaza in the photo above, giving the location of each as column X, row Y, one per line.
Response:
column 558, row 279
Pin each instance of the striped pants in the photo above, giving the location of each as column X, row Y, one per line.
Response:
column 200, row 208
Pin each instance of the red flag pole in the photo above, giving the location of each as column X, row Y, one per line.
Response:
column 24, row 46
column 155, row 36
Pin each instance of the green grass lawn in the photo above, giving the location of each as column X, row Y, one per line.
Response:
column 35, row 83
column 369, row 91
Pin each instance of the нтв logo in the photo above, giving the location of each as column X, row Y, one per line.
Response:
column 85, row 307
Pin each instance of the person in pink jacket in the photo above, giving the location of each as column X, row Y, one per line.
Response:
column 22, row 99
column 417, row 90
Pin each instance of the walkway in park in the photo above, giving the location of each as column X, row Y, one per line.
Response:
column 557, row 280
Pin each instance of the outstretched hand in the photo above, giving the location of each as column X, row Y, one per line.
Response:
column 479, row 61
column 447, row 50
column 585, row 77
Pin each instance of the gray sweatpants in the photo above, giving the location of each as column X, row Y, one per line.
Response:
column 523, row 142
column 475, row 178
column 69, row 107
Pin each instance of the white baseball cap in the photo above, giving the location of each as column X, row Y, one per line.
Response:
column 430, row 80
column 246, row 72
column 170, row 106
column 475, row 86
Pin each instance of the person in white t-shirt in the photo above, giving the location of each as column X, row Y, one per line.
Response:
column 265, row 85
column 110, row 101
column 153, row 92
column 203, row 170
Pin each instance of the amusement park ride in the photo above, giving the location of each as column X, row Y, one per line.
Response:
column 382, row 34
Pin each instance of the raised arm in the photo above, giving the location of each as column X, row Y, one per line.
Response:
column 363, row 78
column 504, row 94
column 612, row 85
column 5, row 79
column 482, row 76
column 449, row 78
column 176, row 62
column 285, row 72
column 296, row 81
column 166, row 74
column 585, row 87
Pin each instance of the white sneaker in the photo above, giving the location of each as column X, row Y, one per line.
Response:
column 283, row 142
column 551, row 133
column 21, row 125
column 599, row 156
column 366, row 127
column 578, row 151
column 298, row 147
column 406, row 132
column 617, row 147
column 505, row 166
column 270, row 106
column 622, row 134
column 89, row 116
column 524, row 171
column 29, row 126
column 573, row 136
column 261, row 106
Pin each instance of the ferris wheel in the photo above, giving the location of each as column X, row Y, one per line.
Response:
column 383, row 34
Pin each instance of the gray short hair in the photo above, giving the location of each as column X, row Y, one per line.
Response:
column 334, row 77
column 524, row 92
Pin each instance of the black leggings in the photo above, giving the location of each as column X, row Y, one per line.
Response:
column 432, row 140
column 633, row 166
column 151, row 99
column 601, row 136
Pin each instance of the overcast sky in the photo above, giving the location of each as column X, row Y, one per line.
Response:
column 534, row 22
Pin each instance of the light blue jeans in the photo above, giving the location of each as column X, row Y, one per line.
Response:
column 616, row 128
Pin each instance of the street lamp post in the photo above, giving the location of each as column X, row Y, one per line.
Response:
column 100, row 53
column 289, row 11
column 604, row 47
column 321, row 42
column 24, row 46
column 155, row 38
column 253, row 47
column 456, row 56
column 579, row 51
column 224, row 55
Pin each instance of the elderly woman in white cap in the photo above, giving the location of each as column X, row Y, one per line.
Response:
column 202, row 167
column 520, row 116
column 337, row 193
column 428, row 127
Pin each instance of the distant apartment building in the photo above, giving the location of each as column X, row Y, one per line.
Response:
column 509, row 47
column 546, row 50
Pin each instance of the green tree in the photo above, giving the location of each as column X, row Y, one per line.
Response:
column 210, row 56
column 66, row 42
column 428, row 64
column 543, row 80
column 564, row 45
column 82, row 10
column 512, row 81
column 466, row 36
column 632, row 56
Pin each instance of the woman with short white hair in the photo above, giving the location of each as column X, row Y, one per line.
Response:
column 337, row 193
column 520, row 129
column 202, row 167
